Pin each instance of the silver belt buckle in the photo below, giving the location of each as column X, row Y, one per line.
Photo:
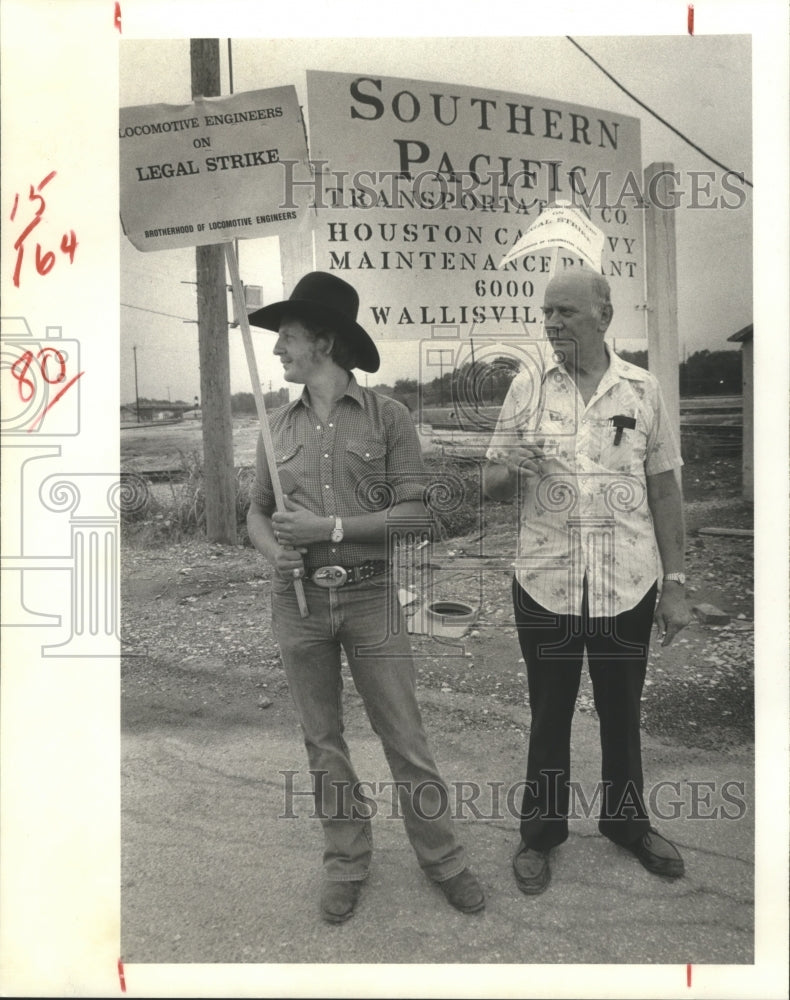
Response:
column 330, row 576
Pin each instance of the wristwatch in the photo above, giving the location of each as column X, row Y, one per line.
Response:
column 677, row 577
column 337, row 531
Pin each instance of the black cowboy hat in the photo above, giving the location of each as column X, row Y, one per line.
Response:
column 329, row 299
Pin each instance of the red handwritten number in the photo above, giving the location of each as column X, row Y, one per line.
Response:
column 45, row 263
column 20, row 367
column 20, row 375
column 43, row 356
column 26, row 386
column 45, row 259
column 69, row 244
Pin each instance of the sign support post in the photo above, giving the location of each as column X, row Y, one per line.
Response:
column 214, row 350
column 661, row 277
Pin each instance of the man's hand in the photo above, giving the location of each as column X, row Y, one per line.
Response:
column 289, row 562
column 527, row 457
column 672, row 612
column 296, row 526
column 501, row 473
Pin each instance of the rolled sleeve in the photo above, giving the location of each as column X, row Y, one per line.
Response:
column 662, row 452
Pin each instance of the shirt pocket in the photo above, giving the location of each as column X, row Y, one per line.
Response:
column 366, row 467
column 290, row 466
column 626, row 455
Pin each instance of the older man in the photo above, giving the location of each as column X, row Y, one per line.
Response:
column 349, row 461
column 584, row 442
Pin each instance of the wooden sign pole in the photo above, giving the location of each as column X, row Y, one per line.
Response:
column 663, row 354
column 214, row 349
column 266, row 434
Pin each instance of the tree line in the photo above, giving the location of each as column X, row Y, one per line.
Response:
column 243, row 403
column 704, row 373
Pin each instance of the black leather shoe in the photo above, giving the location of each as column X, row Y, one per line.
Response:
column 531, row 868
column 338, row 900
column 658, row 854
column 463, row 892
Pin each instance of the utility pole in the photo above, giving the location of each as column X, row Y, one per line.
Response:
column 136, row 393
column 218, row 471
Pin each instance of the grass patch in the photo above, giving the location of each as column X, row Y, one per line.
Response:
column 174, row 510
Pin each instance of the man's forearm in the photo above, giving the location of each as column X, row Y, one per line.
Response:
column 666, row 507
column 410, row 516
column 300, row 527
column 259, row 528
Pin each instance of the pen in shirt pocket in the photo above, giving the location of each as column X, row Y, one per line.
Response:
column 620, row 422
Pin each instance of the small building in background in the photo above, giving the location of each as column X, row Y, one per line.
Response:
column 745, row 338
column 152, row 413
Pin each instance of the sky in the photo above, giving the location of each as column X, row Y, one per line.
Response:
column 700, row 85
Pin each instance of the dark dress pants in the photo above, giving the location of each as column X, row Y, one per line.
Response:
column 553, row 646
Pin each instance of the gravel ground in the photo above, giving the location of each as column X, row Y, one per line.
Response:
column 192, row 602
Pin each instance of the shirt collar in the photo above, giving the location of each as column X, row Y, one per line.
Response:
column 353, row 389
column 624, row 369
column 618, row 368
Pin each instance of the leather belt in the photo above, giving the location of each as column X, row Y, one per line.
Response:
column 340, row 576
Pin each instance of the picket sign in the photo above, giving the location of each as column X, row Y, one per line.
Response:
column 187, row 179
column 561, row 224
column 266, row 434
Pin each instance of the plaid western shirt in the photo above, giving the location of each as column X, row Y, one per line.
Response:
column 586, row 513
column 365, row 458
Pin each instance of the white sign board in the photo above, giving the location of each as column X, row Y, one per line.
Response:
column 425, row 187
column 210, row 171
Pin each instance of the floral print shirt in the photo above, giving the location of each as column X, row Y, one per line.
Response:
column 586, row 512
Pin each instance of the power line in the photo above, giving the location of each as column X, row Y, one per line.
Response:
column 657, row 116
column 157, row 312
column 142, row 274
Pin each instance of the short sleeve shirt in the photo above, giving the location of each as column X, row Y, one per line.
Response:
column 365, row 457
column 586, row 512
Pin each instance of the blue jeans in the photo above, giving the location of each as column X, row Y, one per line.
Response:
column 366, row 621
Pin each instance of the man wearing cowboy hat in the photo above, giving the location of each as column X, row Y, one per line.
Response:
column 350, row 466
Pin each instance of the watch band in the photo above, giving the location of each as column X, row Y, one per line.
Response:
column 677, row 577
column 336, row 535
